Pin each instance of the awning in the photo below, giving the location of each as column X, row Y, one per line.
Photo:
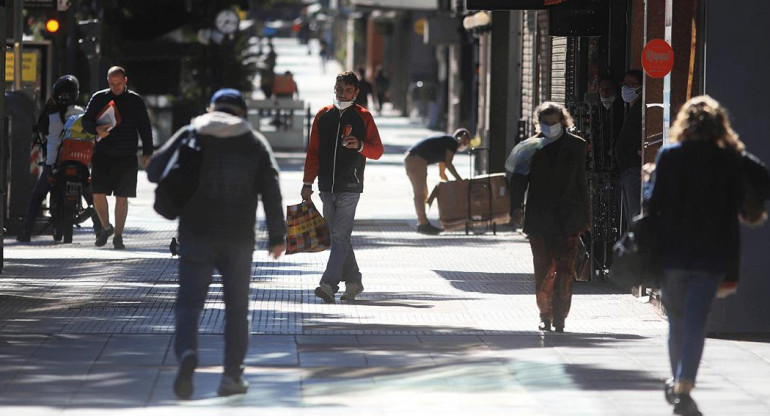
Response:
column 398, row 4
column 518, row 4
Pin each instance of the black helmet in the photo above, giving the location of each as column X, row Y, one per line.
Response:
column 66, row 90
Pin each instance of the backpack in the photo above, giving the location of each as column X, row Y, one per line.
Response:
column 76, row 143
column 180, row 176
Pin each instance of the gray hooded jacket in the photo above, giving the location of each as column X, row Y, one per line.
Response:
column 238, row 168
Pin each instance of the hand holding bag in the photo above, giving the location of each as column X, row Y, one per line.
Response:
column 307, row 229
column 636, row 259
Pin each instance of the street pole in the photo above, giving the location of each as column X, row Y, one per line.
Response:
column 3, row 181
column 17, row 35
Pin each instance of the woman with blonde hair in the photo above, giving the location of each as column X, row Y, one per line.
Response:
column 695, row 196
column 550, row 169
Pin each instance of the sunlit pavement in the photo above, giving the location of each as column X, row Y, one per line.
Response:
column 447, row 324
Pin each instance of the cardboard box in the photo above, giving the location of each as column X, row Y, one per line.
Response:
column 453, row 201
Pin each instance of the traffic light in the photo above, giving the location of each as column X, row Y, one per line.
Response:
column 52, row 25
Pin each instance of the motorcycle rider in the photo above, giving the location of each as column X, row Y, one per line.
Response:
column 59, row 107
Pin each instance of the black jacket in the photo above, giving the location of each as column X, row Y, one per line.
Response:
column 695, row 194
column 629, row 142
column 122, row 140
column 238, row 168
column 557, row 197
column 338, row 168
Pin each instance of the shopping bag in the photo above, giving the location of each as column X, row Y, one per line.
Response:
column 636, row 259
column 307, row 229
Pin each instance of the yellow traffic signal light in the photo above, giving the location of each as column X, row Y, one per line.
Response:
column 52, row 25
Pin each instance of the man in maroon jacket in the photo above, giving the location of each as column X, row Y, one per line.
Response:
column 343, row 136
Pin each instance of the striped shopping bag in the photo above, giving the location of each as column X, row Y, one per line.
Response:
column 307, row 230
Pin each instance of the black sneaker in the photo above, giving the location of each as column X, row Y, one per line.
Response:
column 232, row 385
column 104, row 234
column 685, row 405
column 428, row 229
column 545, row 325
column 558, row 325
column 117, row 242
column 183, row 383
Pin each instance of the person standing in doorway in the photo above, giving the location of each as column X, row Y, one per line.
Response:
column 628, row 146
column 439, row 149
column 114, row 163
column 550, row 169
column 343, row 136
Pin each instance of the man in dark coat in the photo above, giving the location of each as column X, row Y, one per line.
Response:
column 550, row 169
column 216, row 230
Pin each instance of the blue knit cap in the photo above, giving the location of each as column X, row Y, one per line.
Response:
column 228, row 99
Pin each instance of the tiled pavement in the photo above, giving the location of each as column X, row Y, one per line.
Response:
column 446, row 324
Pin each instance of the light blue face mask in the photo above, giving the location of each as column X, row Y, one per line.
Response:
column 629, row 94
column 551, row 131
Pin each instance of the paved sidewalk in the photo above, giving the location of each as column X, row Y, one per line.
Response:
column 447, row 324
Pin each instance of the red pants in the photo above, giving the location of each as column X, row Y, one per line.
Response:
column 554, row 260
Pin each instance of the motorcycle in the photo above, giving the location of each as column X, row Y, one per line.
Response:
column 70, row 184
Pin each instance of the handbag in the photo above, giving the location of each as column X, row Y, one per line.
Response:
column 636, row 259
column 180, row 177
column 306, row 229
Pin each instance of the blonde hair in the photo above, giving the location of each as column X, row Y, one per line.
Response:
column 703, row 118
column 548, row 108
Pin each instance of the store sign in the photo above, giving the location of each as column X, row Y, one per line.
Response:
column 40, row 4
column 657, row 58
column 28, row 66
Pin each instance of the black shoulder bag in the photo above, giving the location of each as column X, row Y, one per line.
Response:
column 636, row 258
column 180, row 177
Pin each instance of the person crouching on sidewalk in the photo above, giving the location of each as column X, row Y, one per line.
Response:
column 439, row 149
column 550, row 169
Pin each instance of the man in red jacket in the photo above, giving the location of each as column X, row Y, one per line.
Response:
column 343, row 136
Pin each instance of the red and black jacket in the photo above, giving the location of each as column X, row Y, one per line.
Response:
column 338, row 168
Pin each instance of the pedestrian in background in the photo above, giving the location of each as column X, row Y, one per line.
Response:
column 114, row 163
column 216, row 230
column 343, row 136
column 438, row 149
column 364, row 89
column 550, row 169
column 695, row 196
column 628, row 145
column 382, row 84
column 62, row 104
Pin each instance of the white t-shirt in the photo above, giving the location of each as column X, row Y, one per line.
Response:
column 55, row 127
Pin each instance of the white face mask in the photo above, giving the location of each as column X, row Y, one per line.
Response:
column 552, row 131
column 628, row 94
column 343, row 105
column 607, row 101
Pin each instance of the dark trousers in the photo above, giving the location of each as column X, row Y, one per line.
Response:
column 554, row 260
column 197, row 263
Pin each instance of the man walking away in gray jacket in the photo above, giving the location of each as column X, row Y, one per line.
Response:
column 216, row 230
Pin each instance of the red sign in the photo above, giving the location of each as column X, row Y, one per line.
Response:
column 657, row 58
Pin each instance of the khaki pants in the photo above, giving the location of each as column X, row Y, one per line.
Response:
column 417, row 171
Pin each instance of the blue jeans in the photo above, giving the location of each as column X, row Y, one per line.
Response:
column 631, row 183
column 340, row 212
column 687, row 296
column 197, row 263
